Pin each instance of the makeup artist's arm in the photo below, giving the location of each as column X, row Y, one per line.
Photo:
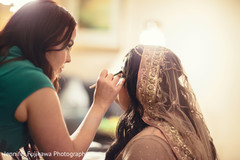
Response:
column 47, row 126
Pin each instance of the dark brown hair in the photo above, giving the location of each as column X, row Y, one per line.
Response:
column 35, row 28
column 131, row 122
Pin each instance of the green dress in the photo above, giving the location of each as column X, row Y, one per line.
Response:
column 18, row 80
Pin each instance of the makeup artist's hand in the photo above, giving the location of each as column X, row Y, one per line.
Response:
column 107, row 89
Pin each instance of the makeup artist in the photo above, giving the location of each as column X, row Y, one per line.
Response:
column 35, row 45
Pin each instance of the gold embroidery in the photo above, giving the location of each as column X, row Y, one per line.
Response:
column 178, row 144
column 150, row 75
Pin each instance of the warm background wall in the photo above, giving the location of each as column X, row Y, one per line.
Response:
column 205, row 35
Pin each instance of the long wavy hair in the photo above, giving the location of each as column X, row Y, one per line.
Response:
column 131, row 123
column 35, row 28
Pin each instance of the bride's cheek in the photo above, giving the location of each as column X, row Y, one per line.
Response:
column 117, row 100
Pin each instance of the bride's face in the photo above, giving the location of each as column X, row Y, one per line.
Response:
column 123, row 99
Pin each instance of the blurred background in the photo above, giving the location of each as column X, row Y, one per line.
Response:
column 204, row 34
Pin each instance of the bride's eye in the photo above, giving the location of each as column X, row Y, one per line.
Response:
column 122, row 75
